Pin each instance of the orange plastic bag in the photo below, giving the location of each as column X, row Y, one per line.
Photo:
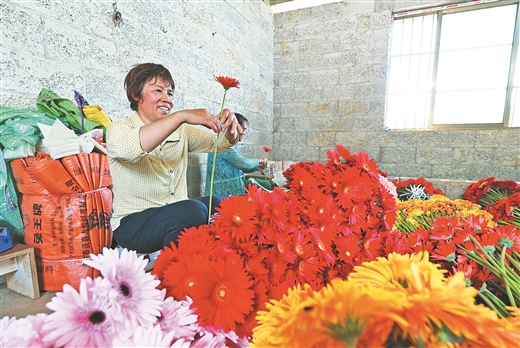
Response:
column 73, row 167
column 24, row 182
column 67, row 226
column 53, row 274
column 51, row 174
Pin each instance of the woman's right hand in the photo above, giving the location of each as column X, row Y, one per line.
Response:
column 202, row 117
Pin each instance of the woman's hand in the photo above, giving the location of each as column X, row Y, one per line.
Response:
column 230, row 123
column 262, row 164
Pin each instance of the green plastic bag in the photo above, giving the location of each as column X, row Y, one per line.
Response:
column 9, row 211
column 19, row 131
column 62, row 108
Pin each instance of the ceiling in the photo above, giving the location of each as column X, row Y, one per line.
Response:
column 276, row 2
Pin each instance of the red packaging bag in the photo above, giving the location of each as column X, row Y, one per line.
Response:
column 95, row 173
column 51, row 174
column 24, row 182
column 73, row 167
column 57, row 226
column 84, row 162
column 106, row 178
column 53, row 274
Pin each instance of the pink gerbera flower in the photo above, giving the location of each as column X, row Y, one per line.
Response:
column 133, row 293
column 179, row 317
column 80, row 319
column 18, row 333
column 148, row 336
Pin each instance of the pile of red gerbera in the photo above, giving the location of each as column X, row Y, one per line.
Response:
column 501, row 198
column 333, row 217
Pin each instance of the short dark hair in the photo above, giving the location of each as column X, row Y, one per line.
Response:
column 241, row 119
column 141, row 74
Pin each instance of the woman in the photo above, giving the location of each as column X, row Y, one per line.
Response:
column 230, row 166
column 148, row 156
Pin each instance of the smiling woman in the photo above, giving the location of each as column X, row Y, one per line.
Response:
column 148, row 154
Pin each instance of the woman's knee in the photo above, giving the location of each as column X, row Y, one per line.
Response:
column 195, row 211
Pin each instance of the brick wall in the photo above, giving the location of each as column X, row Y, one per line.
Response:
column 74, row 45
column 329, row 87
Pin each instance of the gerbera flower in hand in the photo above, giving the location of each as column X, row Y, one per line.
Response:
column 268, row 150
column 228, row 82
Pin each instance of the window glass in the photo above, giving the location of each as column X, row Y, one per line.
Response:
column 466, row 79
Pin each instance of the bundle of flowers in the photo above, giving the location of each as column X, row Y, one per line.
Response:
column 401, row 300
column 461, row 237
column 121, row 308
column 421, row 213
column 333, row 217
column 419, row 188
column 490, row 190
column 501, row 198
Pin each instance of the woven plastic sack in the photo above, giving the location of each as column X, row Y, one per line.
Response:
column 9, row 211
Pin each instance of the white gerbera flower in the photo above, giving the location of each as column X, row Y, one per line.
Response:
column 134, row 295
column 148, row 336
column 17, row 333
column 179, row 317
column 80, row 319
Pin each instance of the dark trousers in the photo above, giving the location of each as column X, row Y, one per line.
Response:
column 152, row 229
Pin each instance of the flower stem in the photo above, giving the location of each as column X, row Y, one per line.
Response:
column 214, row 160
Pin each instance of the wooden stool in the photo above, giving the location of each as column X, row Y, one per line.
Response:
column 19, row 267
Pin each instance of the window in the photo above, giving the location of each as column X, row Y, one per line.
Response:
column 454, row 67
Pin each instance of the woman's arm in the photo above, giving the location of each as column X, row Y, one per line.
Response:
column 154, row 133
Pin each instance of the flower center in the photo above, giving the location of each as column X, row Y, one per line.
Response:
column 298, row 249
column 347, row 253
column 221, row 293
column 191, row 283
column 320, row 211
column 238, row 218
column 125, row 289
column 280, row 247
column 96, row 317
column 346, row 190
column 321, row 245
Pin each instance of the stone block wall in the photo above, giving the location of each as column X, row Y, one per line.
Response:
column 74, row 45
column 331, row 64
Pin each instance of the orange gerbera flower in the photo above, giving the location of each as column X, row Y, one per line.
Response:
column 228, row 82
column 196, row 240
column 268, row 150
column 225, row 298
column 183, row 276
column 236, row 218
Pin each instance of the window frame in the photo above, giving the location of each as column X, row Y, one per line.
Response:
column 439, row 11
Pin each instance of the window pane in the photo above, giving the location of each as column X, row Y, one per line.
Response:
column 473, row 69
column 477, row 106
column 410, row 72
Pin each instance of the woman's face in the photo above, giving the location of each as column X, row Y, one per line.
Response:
column 156, row 100
column 245, row 126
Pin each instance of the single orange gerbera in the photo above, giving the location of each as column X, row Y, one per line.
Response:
column 268, row 150
column 182, row 277
column 236, row 217
column 225, row 298
column 228, row 82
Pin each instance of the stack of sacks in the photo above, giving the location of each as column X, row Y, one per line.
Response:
column 66, row 206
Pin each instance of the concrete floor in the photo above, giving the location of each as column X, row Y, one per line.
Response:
column 13, row 304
